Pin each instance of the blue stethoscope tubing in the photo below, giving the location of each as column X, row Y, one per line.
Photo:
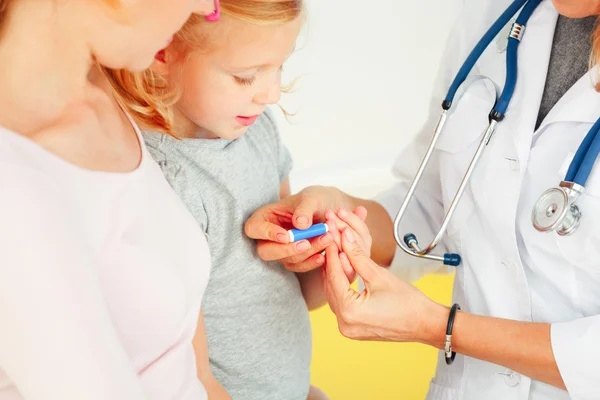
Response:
column 579, row 169
column 556, row 209
column 585, row 157
column 501, row 105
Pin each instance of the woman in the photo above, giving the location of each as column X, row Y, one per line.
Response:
column 93, row 305
column 530, row 318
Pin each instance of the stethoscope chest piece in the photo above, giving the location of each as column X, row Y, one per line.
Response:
column 555, row 209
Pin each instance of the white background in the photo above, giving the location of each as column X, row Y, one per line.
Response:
column 365, row 79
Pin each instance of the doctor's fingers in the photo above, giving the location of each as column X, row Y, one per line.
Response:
column 358, row 225
column 337, row 225
column 347, row 267
column 337, row 286
column 366, row 268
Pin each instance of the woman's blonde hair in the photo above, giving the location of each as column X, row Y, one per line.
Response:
column 595, row 56
column 147, row 95
column 3, row 12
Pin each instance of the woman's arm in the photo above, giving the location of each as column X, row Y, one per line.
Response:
column 213, row 388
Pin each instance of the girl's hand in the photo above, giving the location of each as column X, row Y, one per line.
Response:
column 269, row 225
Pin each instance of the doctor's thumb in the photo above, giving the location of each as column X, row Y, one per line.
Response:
column 362, row 264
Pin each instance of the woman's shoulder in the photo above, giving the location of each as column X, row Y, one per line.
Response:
column 25, row 185
column 92, row 134
column 33, row 210
column 21, row 164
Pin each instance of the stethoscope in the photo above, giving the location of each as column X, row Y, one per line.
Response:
column 556, row 209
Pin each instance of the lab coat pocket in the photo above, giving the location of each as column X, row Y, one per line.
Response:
column 582, row 248
column 455, row 148
column 467, row 120
column 439, row 392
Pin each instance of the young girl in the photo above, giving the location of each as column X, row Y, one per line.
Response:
column 227, row 161
column 96, row 302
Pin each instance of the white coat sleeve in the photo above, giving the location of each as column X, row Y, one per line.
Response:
column 425, row 213
column 576, row 347
column 57, row 341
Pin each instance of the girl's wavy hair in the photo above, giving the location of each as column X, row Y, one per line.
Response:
column 146, row 95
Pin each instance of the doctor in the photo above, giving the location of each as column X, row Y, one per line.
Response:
column 529, row 324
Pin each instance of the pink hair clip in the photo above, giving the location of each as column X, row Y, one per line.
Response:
column 215, row 15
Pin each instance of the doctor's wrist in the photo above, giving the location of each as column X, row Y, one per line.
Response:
column 432, row 331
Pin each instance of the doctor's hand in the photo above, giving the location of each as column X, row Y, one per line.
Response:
column 343, row 219
column 388, row 309
column 269, row 225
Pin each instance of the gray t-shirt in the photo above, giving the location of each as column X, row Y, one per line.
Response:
column 569, row 59
column 257, row 322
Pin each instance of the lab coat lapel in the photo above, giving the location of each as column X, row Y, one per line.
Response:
column 581, row 103
column 498, row 179
column 534, row 57
column 516, row 130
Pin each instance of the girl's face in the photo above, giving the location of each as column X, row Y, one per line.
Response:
column 128, row 33
column 577, row 8
column 227, row 86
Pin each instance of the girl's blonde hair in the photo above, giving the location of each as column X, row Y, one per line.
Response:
column 147, row 96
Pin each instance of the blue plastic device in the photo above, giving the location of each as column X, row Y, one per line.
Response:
column 314, row 231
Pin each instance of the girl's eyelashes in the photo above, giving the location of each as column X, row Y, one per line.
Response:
column 249, row 81
column 244, row 81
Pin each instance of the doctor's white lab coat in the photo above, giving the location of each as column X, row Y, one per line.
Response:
column 509, row 269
